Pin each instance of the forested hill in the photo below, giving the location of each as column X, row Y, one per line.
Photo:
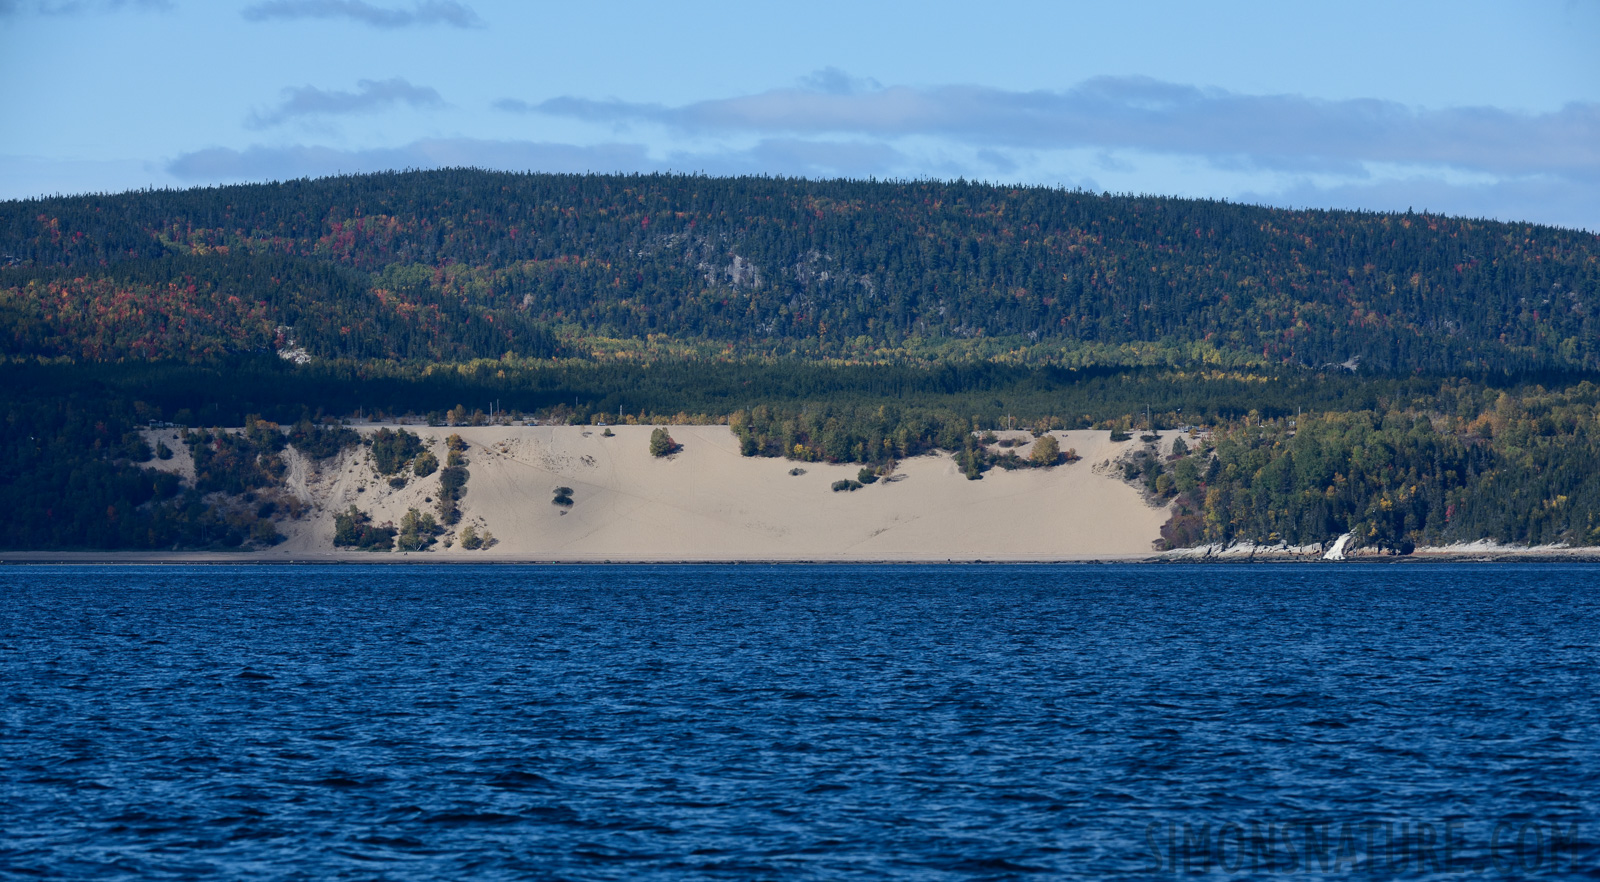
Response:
column 457, row 264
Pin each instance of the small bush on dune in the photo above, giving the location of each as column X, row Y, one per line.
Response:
column 972, row 460
column 425, row 464
column 661, row 444
column 354, row 529
column 321, row 442
column 452, row 479
column 1046, row 452
column 417, row 531
column 846, row 486
column 392, row 451
column 265, row 533
column 452, row 486
column 449, row 511
column 866, row 476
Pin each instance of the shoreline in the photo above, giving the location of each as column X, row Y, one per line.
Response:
column 1584, row 555
column 707, row 504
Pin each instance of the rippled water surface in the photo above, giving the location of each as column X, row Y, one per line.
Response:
column 799, row 722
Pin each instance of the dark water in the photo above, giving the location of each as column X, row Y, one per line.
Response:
column 799, row 722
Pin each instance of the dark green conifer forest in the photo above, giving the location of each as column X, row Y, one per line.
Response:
column 1408, row 378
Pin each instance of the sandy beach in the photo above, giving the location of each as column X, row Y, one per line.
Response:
column 708, row 503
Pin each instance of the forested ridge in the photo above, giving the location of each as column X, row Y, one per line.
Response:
column 1406, row 378
column 459, row 263
column 1462, row 464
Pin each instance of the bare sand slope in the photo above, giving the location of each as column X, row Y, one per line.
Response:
column 709, row 503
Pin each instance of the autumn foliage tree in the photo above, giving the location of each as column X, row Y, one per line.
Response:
column 661, row 443
column 1046, row 451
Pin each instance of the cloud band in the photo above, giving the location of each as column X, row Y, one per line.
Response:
column 426, row 12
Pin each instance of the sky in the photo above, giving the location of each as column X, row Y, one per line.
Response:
column 1484, row 109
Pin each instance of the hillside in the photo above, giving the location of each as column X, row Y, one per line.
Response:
column 1405, row 379
column 460, row 264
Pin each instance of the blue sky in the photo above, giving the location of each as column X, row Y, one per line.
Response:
column 1483, row 109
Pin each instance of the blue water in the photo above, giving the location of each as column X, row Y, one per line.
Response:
column 798, row 722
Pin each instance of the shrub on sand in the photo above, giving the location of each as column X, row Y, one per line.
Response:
column 425, row 464
column 1046, row 452
column 661, row 444
column 417, row 530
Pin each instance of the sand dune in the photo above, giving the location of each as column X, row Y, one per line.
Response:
column 709, row 503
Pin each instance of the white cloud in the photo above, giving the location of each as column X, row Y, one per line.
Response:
column 370, row 95
column 78, row 7
column 219, row 164
column 794, row 157
column 1134, row 134
column 1543, row 199
column 1283, row 132
column 424, row 12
